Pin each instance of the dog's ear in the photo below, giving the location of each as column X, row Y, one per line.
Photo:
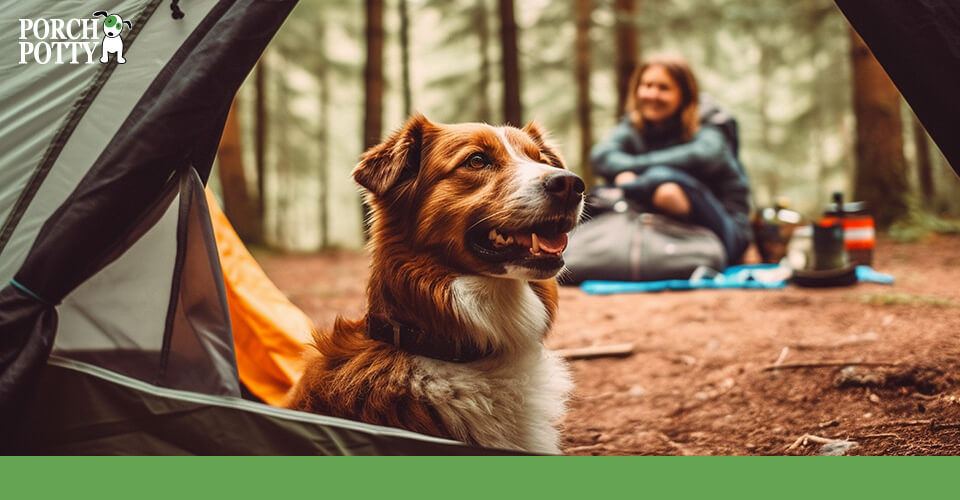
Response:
column 536, row 132
column 395, row 160
column 540, row 138
column 129, row 24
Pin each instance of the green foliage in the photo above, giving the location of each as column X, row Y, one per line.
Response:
column 919, row 222
column 900, row 299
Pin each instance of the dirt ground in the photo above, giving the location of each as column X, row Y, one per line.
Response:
column 740, row 372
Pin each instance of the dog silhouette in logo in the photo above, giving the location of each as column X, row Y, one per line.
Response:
column 112, row 43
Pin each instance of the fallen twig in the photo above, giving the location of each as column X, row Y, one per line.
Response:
column 824, row 364
column 907, row 422
column 584, row 449
column 881, row 435
column 596, row 351
column 851, row 341
column 804, row 439
column 783, row 356
column 939, row 427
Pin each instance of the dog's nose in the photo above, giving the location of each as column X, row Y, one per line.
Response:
column 564, row 185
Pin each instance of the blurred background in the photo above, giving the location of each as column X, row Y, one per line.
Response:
column 816, row 112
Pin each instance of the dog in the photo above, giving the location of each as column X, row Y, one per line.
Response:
column 112, row 43
column 468, row 223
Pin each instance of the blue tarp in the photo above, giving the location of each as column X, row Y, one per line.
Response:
column 757, row 276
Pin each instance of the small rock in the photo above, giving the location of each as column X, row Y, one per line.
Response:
column 837, row 449
column 637, row 391
column 874, row 398
column 859, row 377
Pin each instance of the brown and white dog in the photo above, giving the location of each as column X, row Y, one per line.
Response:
column 468, row 226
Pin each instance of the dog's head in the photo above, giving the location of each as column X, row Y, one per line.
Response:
column 112, row 23
column 495, row 201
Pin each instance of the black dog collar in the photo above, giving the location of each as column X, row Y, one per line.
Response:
column 415, row 341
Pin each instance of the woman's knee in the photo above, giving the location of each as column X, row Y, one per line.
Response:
column 670, row 198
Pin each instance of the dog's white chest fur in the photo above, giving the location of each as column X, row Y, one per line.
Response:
column 510, row 400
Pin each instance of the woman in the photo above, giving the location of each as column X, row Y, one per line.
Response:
column 670, row 155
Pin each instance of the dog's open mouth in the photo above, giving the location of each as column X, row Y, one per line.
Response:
column 540, row 245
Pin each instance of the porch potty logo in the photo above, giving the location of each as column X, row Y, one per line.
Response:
column 72, row 41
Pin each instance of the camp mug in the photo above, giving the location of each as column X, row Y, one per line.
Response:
column 828, row 247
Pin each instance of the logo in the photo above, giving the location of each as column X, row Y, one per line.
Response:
column 72, row 41
column 112, row 26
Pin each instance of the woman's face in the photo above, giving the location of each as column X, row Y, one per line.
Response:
column 658, row 95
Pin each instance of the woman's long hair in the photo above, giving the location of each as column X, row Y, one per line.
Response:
column 678, row 68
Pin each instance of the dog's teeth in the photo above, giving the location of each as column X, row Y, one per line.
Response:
column 535, row 249
column 493, row 234
column 509, row 240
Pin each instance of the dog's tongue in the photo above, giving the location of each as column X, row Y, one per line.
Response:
column 552, row 245
column 539, row 243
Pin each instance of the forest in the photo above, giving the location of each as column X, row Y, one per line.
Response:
column 816, row 112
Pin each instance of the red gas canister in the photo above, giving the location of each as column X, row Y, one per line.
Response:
column 859, row 235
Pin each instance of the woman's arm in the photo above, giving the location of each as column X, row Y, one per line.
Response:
column 610, row 157
column 707, row 154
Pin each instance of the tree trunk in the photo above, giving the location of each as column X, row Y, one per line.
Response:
column 627, row 48
column 582, row 54
column 881, row 178
column 483, row 32
column 237, row 205
column 924, row 165
column 283, row 171
column 373, row 75
column 373, row 88
column 260, row 134
column 405, row 56
column 323, row 135
column 512, row 108
column 770, row 174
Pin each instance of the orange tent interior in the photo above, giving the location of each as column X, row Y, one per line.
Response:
column 269, row 332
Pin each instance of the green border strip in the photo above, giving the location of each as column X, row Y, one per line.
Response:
column 486, row 478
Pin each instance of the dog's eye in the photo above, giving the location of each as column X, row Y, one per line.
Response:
column 477, row 160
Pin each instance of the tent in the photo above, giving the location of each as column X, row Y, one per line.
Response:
column 918, row 45
column 115, row 319
column 123, row 327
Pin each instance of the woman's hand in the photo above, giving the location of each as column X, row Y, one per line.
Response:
column 624, row 178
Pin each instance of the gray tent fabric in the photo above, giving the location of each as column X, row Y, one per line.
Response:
column 192, row 348
column 918, row 45
column 112, row 414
